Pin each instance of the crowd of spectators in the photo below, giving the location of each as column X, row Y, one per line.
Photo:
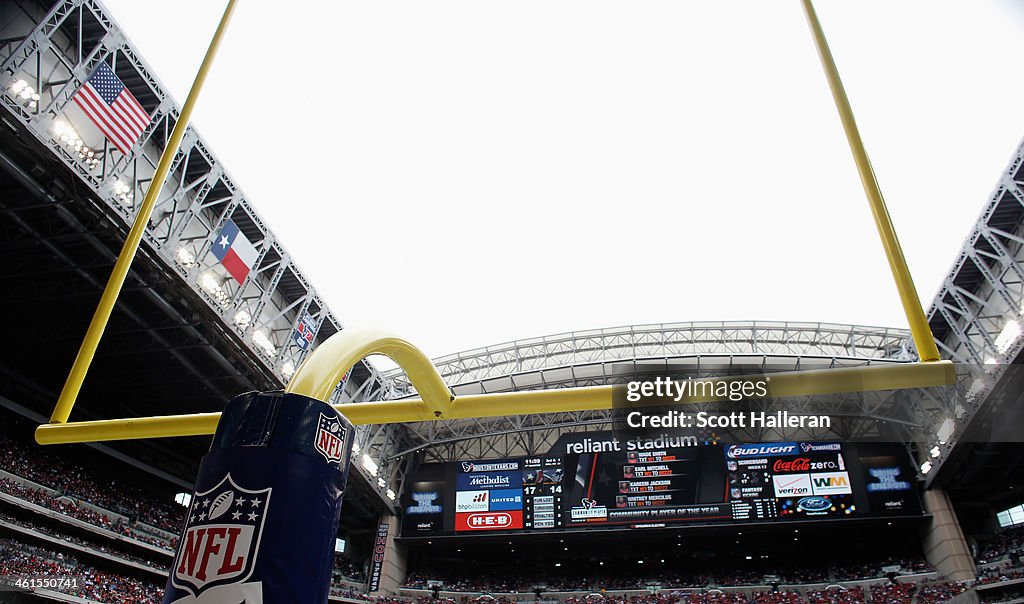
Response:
column 67, row 506
column 876, row 569
column 836, row 595
column 20, row 560
column 633, row 580
column 348, row 570
column 799, row 574
column 79, row 483
column 937, row 592
column 778, row 596
column 1009, row 595
column 999, row 574
column 893, row 593
column 79, row 541
column 1008, row 541
column 508, row 583
column 347, row 592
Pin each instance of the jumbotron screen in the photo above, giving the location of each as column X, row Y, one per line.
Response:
column 596, row 481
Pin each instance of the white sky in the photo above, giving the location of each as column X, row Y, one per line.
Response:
column 465, row 173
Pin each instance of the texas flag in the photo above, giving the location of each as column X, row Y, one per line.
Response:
column 234, row 251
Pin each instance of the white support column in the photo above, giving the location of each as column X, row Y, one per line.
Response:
column 944, row 544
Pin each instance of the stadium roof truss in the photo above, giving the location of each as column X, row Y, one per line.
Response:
column 976, row 314
column 700, row 349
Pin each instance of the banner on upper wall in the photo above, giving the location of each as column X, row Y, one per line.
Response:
column 380, row 546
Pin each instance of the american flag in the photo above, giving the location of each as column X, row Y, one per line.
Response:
column 104, row 98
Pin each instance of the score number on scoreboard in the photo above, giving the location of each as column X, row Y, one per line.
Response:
column 542, row 492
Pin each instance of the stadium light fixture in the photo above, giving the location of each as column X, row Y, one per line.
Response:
column 369, row 465
column 391, row 495
column 209, row 282
column 381, row 483
column 976, row 388
column 946, row 430
column 184, row 499
column 936, row 451
column 242, row 318
column 213, row 285
column 288, row 369
column 24, row 93
column 185, row 257
column 261, row 339
column 1006, row 337
column 121, row 190
column 926, row 467
column 68, row 136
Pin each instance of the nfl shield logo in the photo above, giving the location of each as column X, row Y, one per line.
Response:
column 330, row 438
column 221, row 538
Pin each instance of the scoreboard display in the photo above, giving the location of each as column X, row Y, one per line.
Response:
column 601, row 482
